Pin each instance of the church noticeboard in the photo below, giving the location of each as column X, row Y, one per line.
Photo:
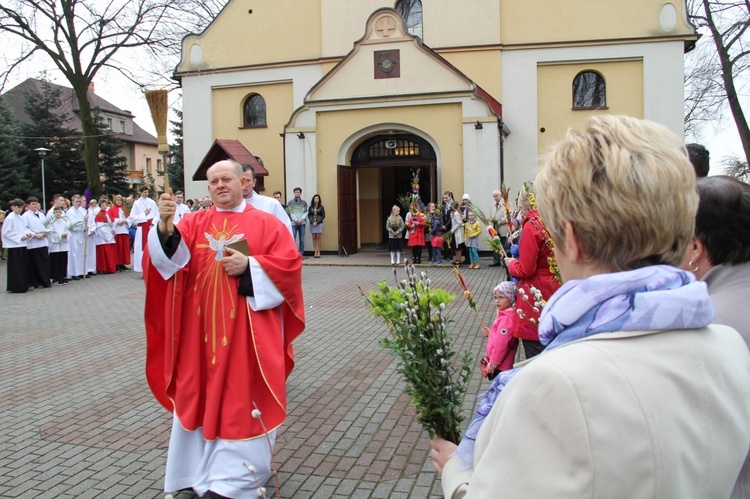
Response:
column 387, row 64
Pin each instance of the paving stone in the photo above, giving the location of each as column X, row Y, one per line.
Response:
column 78, row 419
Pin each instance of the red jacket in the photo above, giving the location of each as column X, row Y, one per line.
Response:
column 532, row 269
column 416, row 236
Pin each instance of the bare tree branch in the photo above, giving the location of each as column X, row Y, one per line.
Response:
column 80, row 37
column 722, row 73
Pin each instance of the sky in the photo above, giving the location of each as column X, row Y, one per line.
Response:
column 720, row 137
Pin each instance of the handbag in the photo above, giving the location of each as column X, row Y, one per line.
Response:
column 483, row 366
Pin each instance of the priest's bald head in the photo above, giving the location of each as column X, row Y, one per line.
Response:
column 225, row 182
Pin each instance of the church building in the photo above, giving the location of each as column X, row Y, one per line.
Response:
column 349, row 99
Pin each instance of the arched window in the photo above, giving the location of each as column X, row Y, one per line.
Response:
column 589, row 91
column 254, row 111
column 411, row 11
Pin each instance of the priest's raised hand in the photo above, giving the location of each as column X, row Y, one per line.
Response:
column 167, row 208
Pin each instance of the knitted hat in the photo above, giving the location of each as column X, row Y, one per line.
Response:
column 466, row 196
column 507, row 288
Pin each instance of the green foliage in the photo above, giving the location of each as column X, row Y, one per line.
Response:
column 149, row 181
column 404, row 201
column 435, row 381
column 176, row 166
column 64, row 171
column 112, row 163
column 13, row 174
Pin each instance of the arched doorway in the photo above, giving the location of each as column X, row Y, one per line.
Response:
column 384, row 166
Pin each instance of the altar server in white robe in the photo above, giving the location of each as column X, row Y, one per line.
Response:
column 182, row 209
column 38, row 246
column 15, row 239
column 77, row 226
column 142, row 214
column 264, row 203
column 90, row 243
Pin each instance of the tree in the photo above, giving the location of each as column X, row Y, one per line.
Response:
column 176, row 158
column 14, row 181
column 727, row 23
column 82, row 37
column 737, row 168
column 113, row 163
column 47, row 128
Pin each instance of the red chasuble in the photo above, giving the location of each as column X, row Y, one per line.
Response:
column 210, row 356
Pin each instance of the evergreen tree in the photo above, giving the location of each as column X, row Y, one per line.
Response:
column 176, row 167
column 149, row 181
column 112, row 163
column 64, row 171
column 14, row 173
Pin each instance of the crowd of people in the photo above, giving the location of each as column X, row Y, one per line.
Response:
column 77, row 239
column 70, row 241
column 449, row 231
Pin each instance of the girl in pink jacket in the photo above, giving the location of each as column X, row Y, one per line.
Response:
column 501, row 344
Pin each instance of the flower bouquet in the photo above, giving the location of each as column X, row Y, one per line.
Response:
column 404, row 201
column 296, row 211
column 48, row 223
column 414, row 314
column 494, row 241
column 76, row 226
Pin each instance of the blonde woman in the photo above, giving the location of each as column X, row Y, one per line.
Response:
column 637, row 394
column 394, row 225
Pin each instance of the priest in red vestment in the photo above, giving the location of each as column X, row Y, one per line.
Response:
column 223, row 305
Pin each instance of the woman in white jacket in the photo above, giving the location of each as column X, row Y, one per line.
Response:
column 637, row 394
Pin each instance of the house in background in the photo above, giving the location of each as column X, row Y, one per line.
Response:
column 139, row 147
column 348, row 99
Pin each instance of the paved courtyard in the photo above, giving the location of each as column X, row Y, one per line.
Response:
column 77, row 418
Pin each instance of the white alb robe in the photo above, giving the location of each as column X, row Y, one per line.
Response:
column 272, row 206
column 138, row 215
column 75, row 240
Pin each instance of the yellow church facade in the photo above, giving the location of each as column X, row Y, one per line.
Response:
column 349, row 99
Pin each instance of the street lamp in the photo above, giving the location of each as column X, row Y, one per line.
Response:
column 42, row 151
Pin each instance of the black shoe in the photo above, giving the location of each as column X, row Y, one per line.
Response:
column 91, row 274
column 75, row 278
column 494, row 264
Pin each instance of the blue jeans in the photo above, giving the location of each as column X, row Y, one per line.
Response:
column 299, row 229
column 474, row 256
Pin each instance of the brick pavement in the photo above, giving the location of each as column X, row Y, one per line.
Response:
column 77, row 418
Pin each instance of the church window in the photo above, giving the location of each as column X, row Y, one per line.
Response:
column 254, row 111
column 589, row 91
column 411, row 11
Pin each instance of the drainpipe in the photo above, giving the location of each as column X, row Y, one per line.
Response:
column 283, row 166
column 501, row 162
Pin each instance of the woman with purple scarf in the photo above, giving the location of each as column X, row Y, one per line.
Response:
column 637, row 394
